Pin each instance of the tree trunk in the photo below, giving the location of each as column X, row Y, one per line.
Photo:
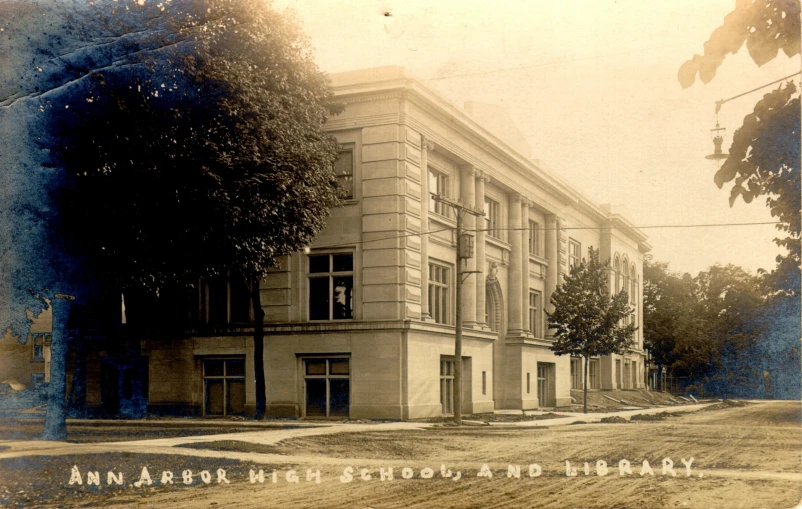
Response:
column 56, row 416
column 78, row 399
column 585, row 399
column 258, row 348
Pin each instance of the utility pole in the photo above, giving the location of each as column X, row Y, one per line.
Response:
column 465, row 245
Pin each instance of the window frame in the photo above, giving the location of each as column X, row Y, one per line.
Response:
column 330, row 275
column 443, row 179
column 536, row 313
column 574, row 253
column 225, row 378
column 576, row 373
column 39, row 339
column 442, row 313
column 594, row 373
column 447, row 384
column 534, row 238
column 348, row 148
column 328, row 376
column 492, row 210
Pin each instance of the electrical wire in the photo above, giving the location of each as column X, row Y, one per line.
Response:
column 582, row 227
column 722, row 101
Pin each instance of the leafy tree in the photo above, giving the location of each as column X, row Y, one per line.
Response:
column 185, row 141
column 764, row 157
column 665, row 297
column 587, row 320
column 731, row 303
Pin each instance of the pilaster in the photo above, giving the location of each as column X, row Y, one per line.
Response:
column 426, row 146
column 481, row 264
column 516, row 267
column 552, row 255
column 468, row 198
column 524, row 226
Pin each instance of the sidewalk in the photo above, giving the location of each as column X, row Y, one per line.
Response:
column 272, row 433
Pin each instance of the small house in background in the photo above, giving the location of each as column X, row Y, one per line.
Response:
column 27, row 362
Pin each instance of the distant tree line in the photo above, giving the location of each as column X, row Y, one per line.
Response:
column 722, row 333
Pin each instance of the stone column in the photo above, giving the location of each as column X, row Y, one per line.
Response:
column 525, row 325
column 426, row 146
column 516, row 267
column 467, row 198
column 552, row 256
column 481, row 264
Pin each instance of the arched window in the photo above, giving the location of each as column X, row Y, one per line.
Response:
column 617, row 274
column 625, row 275
column 633, row 285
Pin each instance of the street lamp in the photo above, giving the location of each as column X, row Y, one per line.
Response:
column 717, row 154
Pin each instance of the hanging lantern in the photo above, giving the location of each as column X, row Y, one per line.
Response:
column 717, row 154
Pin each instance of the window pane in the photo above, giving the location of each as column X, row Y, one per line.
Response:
column 339, row 367
column 433, row 190
column 316, row 397
column 339, row 390
column 344, row 165
column 236, row 397
column 344, row 169
column 343, row 297
column 319, row 263
column 343, row 262
column 235, row 367
column 346, row 186
column 319, row 298
column 213, row 368
column 240, row 299
column 316, row 367
column 214, row 397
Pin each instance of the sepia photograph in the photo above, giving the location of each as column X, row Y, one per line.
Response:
column 400, row 254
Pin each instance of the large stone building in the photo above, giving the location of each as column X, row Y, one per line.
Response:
column 362, row 323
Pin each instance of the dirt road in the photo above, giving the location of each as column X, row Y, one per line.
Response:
column 743, row 457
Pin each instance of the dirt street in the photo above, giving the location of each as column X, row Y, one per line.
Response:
column 743, row 457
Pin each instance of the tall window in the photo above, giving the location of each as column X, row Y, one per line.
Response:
column 535, row 314
column 438, row 185
column 438, row 293
column 447, row 385
column 534, row 238
column 633, row 285
column 576, row 373
column 39, row 346
column 594, row 375
column 617, row 274
column 224, row 386
column 491, row 218
column 331, row 286
column 633, row 292
column 344, row 170
column 327, row 387
column 220, row 300
column 625, row 275
column 574, row 253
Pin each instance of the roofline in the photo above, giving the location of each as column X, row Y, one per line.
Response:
column 402, row 83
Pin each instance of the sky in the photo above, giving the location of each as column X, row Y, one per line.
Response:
column 592, row 85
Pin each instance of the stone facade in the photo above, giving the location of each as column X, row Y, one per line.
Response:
column 361, row 325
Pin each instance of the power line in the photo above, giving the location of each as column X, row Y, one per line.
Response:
column 722, row 101
column 583, row 227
